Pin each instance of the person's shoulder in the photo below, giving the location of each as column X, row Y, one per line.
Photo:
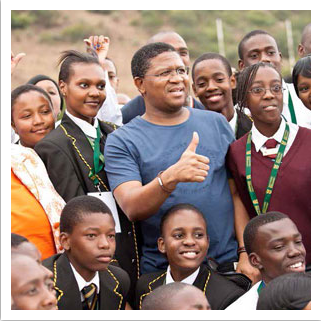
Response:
column 49, row 262
column 149, row 277
column 107, row 126
column 134, row 107
column 117, row 273
column 198, row 105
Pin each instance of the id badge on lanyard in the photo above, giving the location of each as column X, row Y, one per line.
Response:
column 108, row 199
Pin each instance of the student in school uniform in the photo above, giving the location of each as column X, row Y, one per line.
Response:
column 213, row 82
column 83, row 278
column 184, row 241
column 73, row 152
column 271, row 165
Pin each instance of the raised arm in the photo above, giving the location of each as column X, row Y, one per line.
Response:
column 15, row 60
column 139, row 202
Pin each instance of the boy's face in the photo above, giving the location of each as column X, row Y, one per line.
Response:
column 91, row 244
column 261, row 48
column 185, row 242
column 32, row 287
column 278, row 249
column 212, row 85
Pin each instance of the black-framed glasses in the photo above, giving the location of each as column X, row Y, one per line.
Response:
column 180, row 71
column 260, row 91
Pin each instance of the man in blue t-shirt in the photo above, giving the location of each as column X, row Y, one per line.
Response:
column 171, row 155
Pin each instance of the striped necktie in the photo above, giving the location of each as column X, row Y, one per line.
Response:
column 90, row 294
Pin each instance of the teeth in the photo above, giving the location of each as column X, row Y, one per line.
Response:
column 189, row 254
column 296, row 265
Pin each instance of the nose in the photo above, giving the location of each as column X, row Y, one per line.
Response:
column 49, row 300
column 268, row 94
column 265, row 57
column 211, row 85
column 294, row 250
column 94, row 92
column 103, row 242
column 189, row 240
column 37, row 119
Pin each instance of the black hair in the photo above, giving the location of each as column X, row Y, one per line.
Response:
column 291, row 291
column 176, row 208
column 141, row 59
column 247, row 37
column 303, row 68
column 70, row 57
column 162, row 297
column 34, row 80
column 215, row 56
column 253, row 225
column 16, row 93
column 245, row 79
column 17, row 239
column 78, row 207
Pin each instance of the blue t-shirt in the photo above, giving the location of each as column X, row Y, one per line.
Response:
column 139, row 150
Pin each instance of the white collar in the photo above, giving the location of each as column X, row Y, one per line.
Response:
column 232, row 122
column 82, row 282
column 88, row 129
column 189, row 280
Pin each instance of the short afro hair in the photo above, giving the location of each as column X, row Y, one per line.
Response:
column 303, row 68
column 141, row 59
column 247, row 37
column 178, row 207
column 253, row 225
column 214, row 56
column 78, row 207
column 17, row 239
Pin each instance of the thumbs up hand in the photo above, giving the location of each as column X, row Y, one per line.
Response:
column 191, row 167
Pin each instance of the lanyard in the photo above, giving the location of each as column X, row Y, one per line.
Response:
column 273, row 175
column 291, row 109
column 261, row 286
column 98, row 156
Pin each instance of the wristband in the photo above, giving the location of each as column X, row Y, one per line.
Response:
column 240, row 250
column 161, row 183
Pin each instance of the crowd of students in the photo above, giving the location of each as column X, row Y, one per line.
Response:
column 163, row 201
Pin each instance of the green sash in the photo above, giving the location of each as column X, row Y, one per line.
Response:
column 274, row 171
column 291, row 109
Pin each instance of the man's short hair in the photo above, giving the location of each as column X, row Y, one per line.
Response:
column 247, row 37
column 74, row 211
column 17, row 239
column 141, row 59
column 291, row 291
column 161, row 298
column 253, row 225
column 215, row 56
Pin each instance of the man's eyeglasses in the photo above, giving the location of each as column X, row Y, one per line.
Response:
column 181, row 71
column 260, row 91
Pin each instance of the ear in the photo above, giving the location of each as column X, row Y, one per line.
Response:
column 300, row 50
column 194, row 89
column 241, row 64
column 62, row 86
column 255, row 261
column 64, row 240
column 161, row 245
column 233, row 81
column 139, row 83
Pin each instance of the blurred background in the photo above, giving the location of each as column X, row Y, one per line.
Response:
column 43, row 34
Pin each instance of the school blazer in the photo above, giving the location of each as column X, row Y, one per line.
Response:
column 219, row 291
column 66, row 154
column 114, row 285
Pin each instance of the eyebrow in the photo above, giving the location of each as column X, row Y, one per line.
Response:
column 89, row 80
column 265, row 48
column 218, row 73
column 284, row 238
column 261, row 81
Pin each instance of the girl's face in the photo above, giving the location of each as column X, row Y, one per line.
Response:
column 84, row 91
column 32, row 118
column 266, row 105
column 304, row 89
column 53, row 92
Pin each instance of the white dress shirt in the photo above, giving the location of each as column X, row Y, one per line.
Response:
column 189, row 280
column 82, row 282
column 232, row 122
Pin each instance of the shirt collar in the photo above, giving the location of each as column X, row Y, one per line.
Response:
column 259, row 140
column 189, row 280
column 88, row 129
column 82, row 282
column 232, row 122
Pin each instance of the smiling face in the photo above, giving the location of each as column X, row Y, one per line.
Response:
column 213, row 86
column 185, row 242
column 84, row 91
column 53, row 92
column 33, row 289
column 265, row 109
column 32, row 118
column 91, row 244
column 278, row 249
column 260, row 48
column 304, row 89
column 164, row 95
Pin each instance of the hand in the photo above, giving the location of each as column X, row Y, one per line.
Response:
column 246, row 268
column 100, row 44
column 191, row 167
column 15, row 60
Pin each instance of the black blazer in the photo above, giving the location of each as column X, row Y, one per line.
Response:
column 243, row 123
column 65, row 152
column 219, row 291
column 114, row 285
